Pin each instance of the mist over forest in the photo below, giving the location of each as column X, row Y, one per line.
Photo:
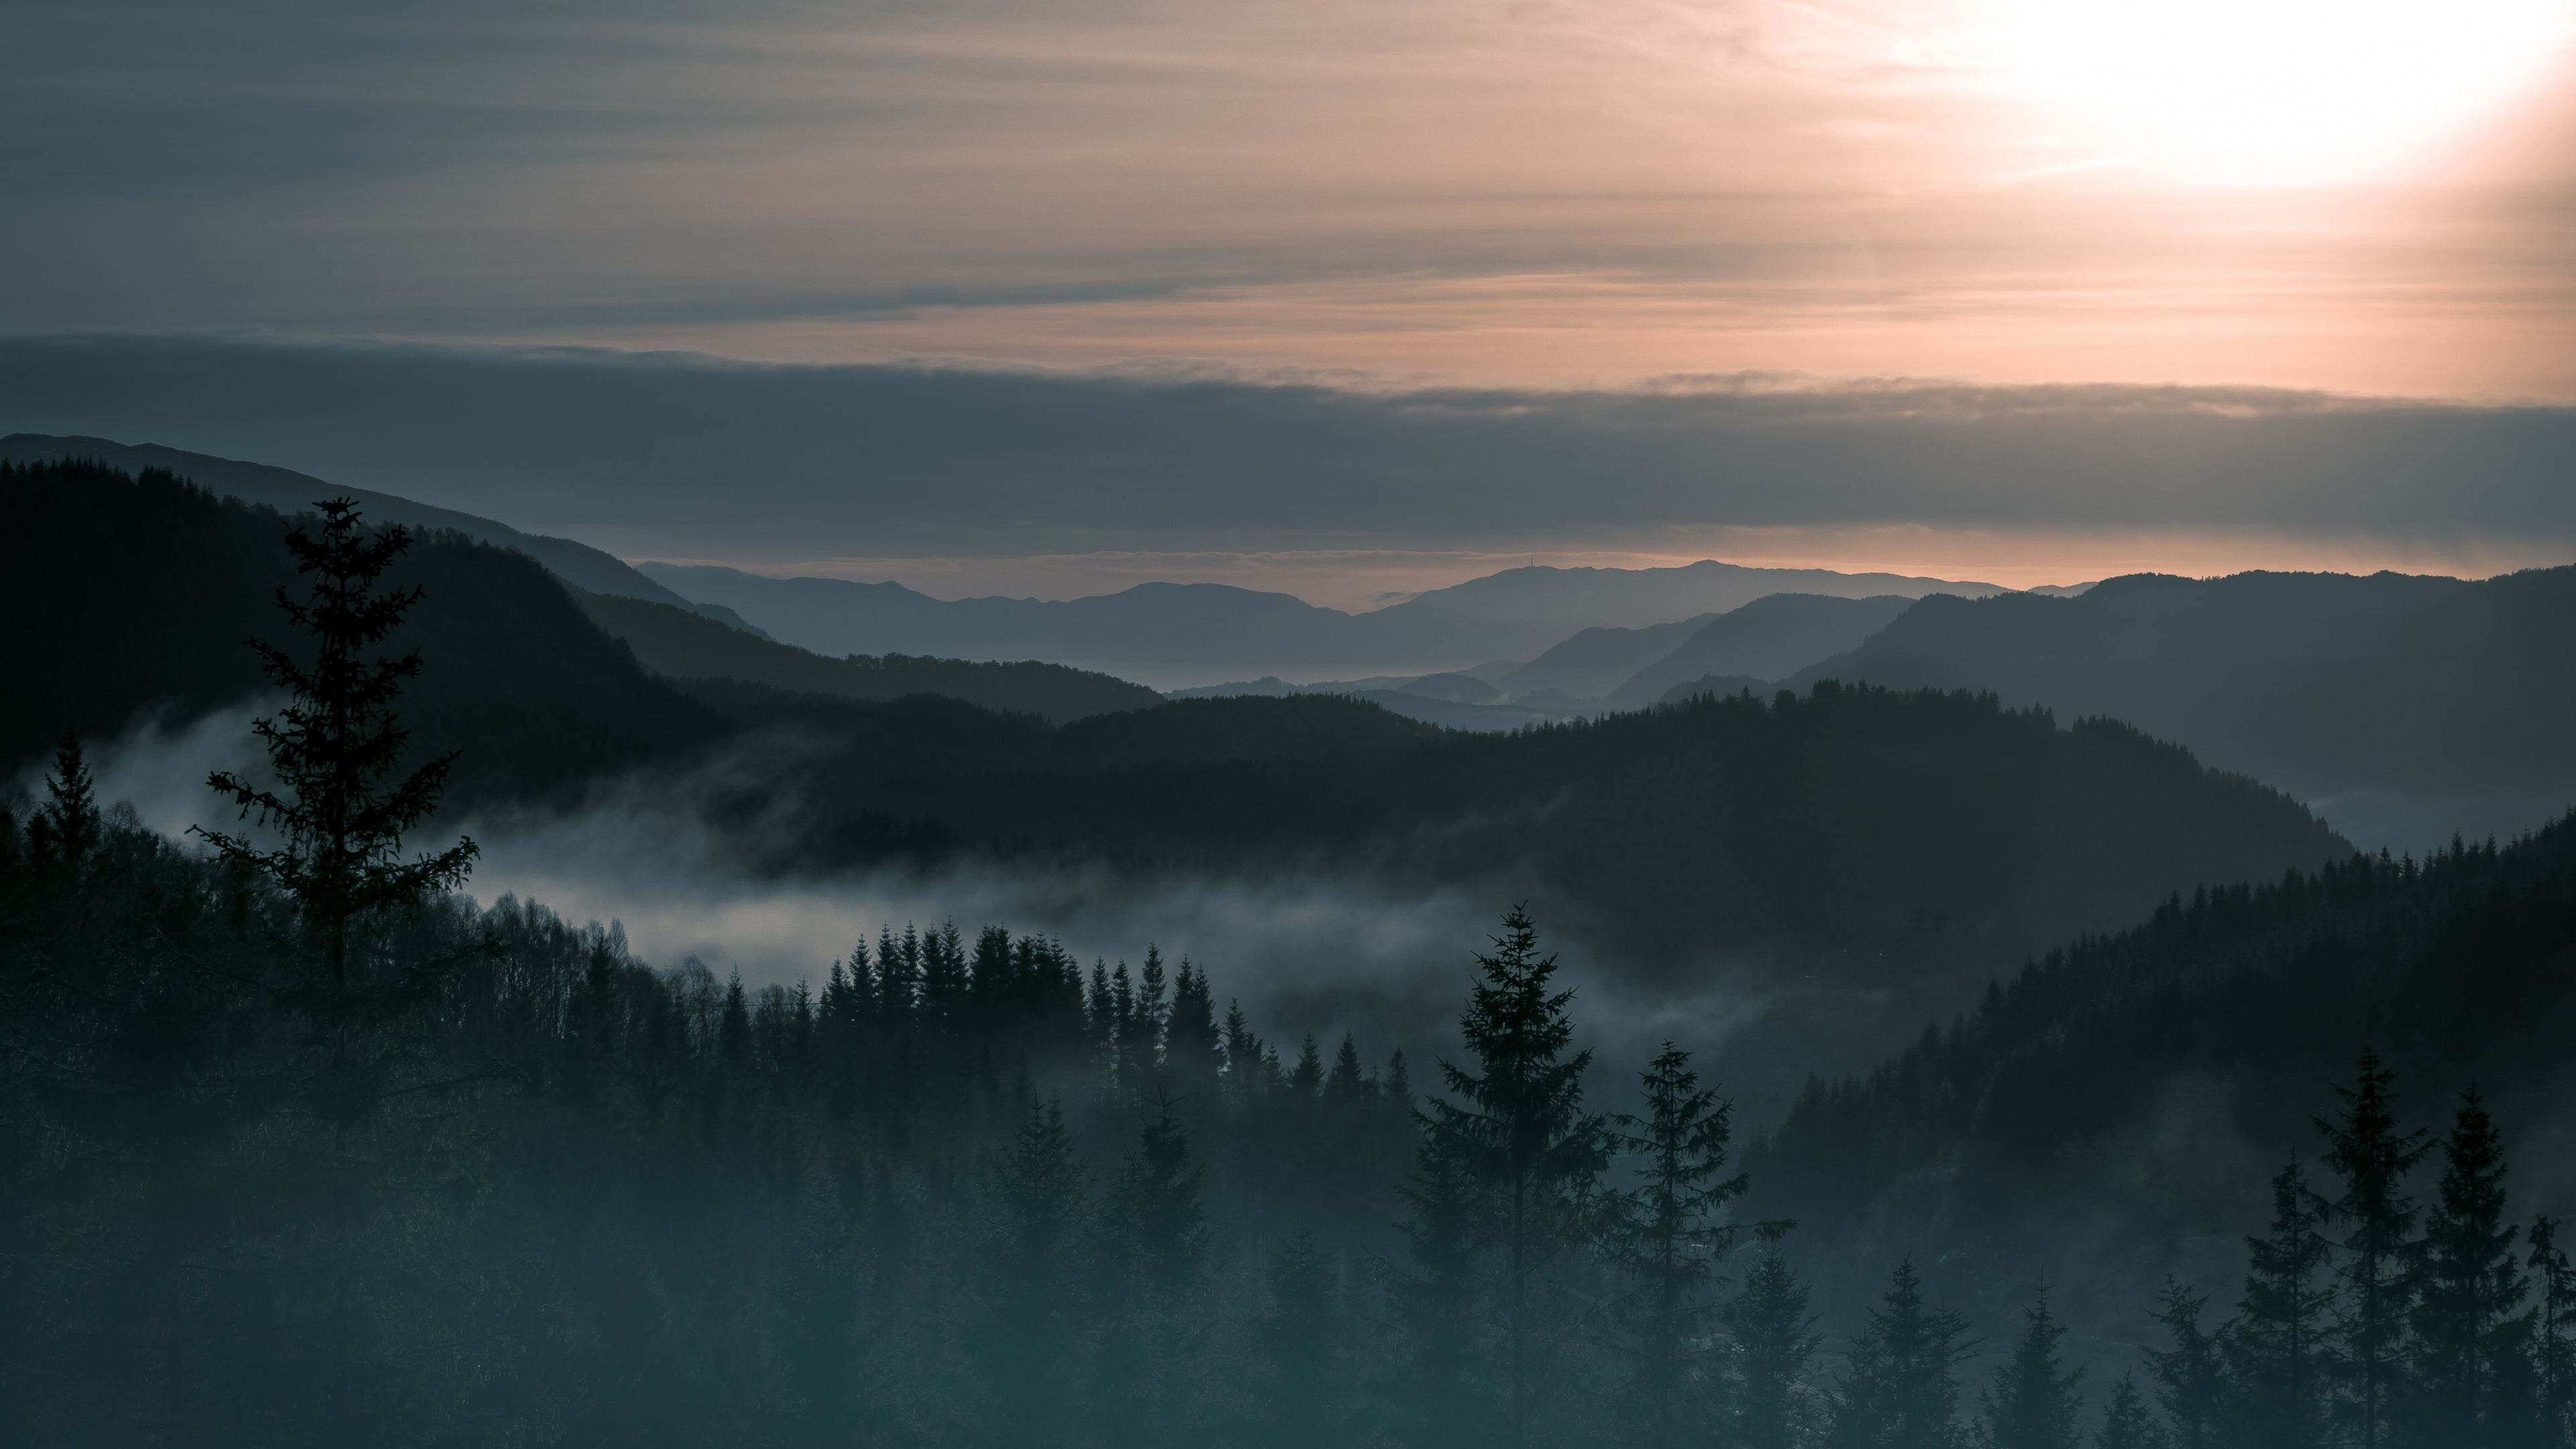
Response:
column 529, row 999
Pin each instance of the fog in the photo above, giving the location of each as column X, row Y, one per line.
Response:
column 1321, row 952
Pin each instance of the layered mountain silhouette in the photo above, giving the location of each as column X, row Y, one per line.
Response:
column 1168, row 632
column 683, row 645
column 2319, row 683
column 291, row 492
column 1766, row 639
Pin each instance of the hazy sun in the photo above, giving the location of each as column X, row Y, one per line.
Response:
column 2281, row 90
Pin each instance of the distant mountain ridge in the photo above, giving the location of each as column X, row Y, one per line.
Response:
column 1766, row 639
column 2317, row 683
column 291, row 492
column 684, row 646
column 1178, row 634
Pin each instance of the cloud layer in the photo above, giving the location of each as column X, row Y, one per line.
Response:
column 1531, row 193
column 710, row 459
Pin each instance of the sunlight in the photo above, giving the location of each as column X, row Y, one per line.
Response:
column 2280, row 91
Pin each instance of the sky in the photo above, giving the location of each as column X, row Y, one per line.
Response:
column 740, row 232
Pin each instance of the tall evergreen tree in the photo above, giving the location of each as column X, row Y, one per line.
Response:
column 2034, row 1400
column 1029, row 1245
column 1669, row 1231
column 65, row 831
column 335, row 746
column 2126, row 1424
column 1523, row 1133
column 2553, row 1336
column 1191, row 1046
column 2472, row 1385
column 2366, row 1148
column 1771, row 1346
column 2279, row 1362
column 2190, row 1375
column 1298, row 1390
column 1901, row 1387
column 1154, row 1210
column 1439, row 1389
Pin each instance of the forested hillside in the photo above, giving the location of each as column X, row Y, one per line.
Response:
column 127, row 596
column 2120, row 1095
column 681, row 645
column 1859, row 817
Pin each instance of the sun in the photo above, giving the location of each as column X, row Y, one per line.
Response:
column 2280, row 91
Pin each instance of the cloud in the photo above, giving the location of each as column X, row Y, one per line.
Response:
column 924, row 460
column 1527, row 193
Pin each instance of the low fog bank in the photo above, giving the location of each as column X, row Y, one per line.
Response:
column 1318, row 952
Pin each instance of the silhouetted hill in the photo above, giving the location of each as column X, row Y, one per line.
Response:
column 126, row 596
column 1595, row 661
column 1862, row 817
column 291, row 492
column 1552, row 602
column 2114, row 1109
column 675, row 642
column 2319, row 683
column 1770, row 638
column 1213, row 629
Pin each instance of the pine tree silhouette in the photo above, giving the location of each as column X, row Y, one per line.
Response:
column 1669, row 1231
column 2472, row 1382
column 2126, row 1424
column 67, row 829
column 1523, row 1133
column 2190, row 1375
column 2366, row 1148
column 2033, row 1401
column 335, row 746
column 2278, row 1361
column 1901, row 1388
column 1771, row 1347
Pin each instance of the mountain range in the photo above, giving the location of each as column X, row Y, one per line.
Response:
column 2437, row 702
column 1185, row 634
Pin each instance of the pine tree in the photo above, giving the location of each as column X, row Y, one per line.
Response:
column 1901, row 1390
column 1298, row 1392
column 2126, row 1424
column 66, row 830
column 1523, row 1134
column 1668, row 1232
column 733, row 1028
column 336, row 744
column 2373, row 1157
column 2471, row 1387
column 2191, row 1384
column 1771, row 1352
column 1306, row 1079
column 2276, row 1351
column 1191, row 1047
column 1155, row 1208
column 2553, row 1343
column 1439, row 1391
column 2032, row 1404
column 1347, row 1084
column 1038, row 1208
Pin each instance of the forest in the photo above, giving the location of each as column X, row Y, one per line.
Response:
column 304, row 1146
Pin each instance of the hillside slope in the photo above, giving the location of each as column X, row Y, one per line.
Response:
column 683, row 645
column 1770, row 638
column 132, row 596
column 291, row 492
column 2317, row 683
column 2113, row 1110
